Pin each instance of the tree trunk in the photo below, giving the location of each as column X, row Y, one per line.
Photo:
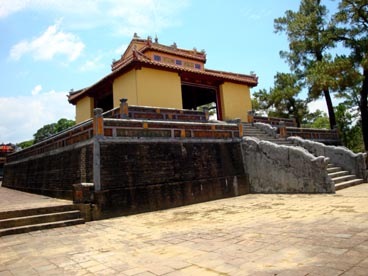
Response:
column 331, row 112
column 364, row 108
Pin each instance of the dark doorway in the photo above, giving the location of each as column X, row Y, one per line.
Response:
column 106, row 103
column 195, row 96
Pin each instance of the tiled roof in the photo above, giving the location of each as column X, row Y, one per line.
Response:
column 155, row 46
column 201, row 56
column 139, row 59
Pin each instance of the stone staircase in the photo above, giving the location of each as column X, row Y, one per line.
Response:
column 23, row 221
column 341, row 178
column 252, row 131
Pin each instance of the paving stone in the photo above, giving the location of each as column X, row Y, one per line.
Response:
column 247, row 235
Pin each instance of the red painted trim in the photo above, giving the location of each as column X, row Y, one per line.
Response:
column 219, row 104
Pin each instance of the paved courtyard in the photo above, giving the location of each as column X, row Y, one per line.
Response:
column 248, row 235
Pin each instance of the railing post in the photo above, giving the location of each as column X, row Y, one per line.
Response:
column 206, row 113
column 282, row 128
column 98, row 128
column 240, row 125
column 98, row 131
column 251, row 116
column 124, row 108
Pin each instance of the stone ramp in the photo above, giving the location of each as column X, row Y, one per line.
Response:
column 22, row 212
column 340, row 177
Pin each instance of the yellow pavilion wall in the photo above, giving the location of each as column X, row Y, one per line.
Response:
column 236, row 102
column 84, row 109
column 125, row 86
column 149, row 87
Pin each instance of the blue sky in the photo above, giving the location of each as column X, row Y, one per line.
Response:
column 48, row 47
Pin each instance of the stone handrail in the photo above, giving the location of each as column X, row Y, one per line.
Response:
column 328, row 136
column 269, row 129
column 273, row 168
column 156, row 113
column 355, row 163
column 271, row 120
column 169, row 129
column 70, row 136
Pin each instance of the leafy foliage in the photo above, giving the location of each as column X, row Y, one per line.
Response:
column 25, row 144
column 351, row 28
column 281, row 100
column 51, row 129
column 309, row 33
column 317, row 119
column 349, row 132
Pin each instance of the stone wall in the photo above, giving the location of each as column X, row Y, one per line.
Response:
column 272, row 168
column 52, row 173
column 355, row 163
column 146, row 176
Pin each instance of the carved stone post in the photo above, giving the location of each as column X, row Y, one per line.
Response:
column 282, row 128
column 98, row 128
column 251, row 116
column 124, row 108
column 206, row 113
column 240, row 125
column 98, row 131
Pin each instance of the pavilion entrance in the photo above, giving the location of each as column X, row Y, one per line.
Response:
column 195, row 96
column 106, row 103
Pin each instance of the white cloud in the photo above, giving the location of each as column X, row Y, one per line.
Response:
column 125, row 17
column 320, row 104
column 36, row 90
column 26, row 114
column 92, row 64
column 51, row 43
column 144, row 16
column 9, row 7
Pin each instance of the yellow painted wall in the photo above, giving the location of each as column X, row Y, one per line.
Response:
column 236, row 102
column 125, row 86
column 159, row 88
column 84, row 109
column 148, row 87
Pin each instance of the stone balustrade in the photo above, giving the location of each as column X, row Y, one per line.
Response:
column 272, row 168
column 355, row 163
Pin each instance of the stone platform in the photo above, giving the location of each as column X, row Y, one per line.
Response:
column 256, row 234
column 11, row 200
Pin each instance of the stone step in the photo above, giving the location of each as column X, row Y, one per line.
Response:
column 344, row 178
column 260, row 136
column 254, row 133
column 39, row 219
column 248, row 129
column 41, row 226
column 348, row 184
column 333, row 169
column 338, row 173
column 26, row 220
column 37, row 211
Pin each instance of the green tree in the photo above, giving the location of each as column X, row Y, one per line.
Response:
column 281, row 100
column 352, row 29
column 51, row 129
column 25, row 144
column 317, row 119
column 309, row 34
column 349, row 132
